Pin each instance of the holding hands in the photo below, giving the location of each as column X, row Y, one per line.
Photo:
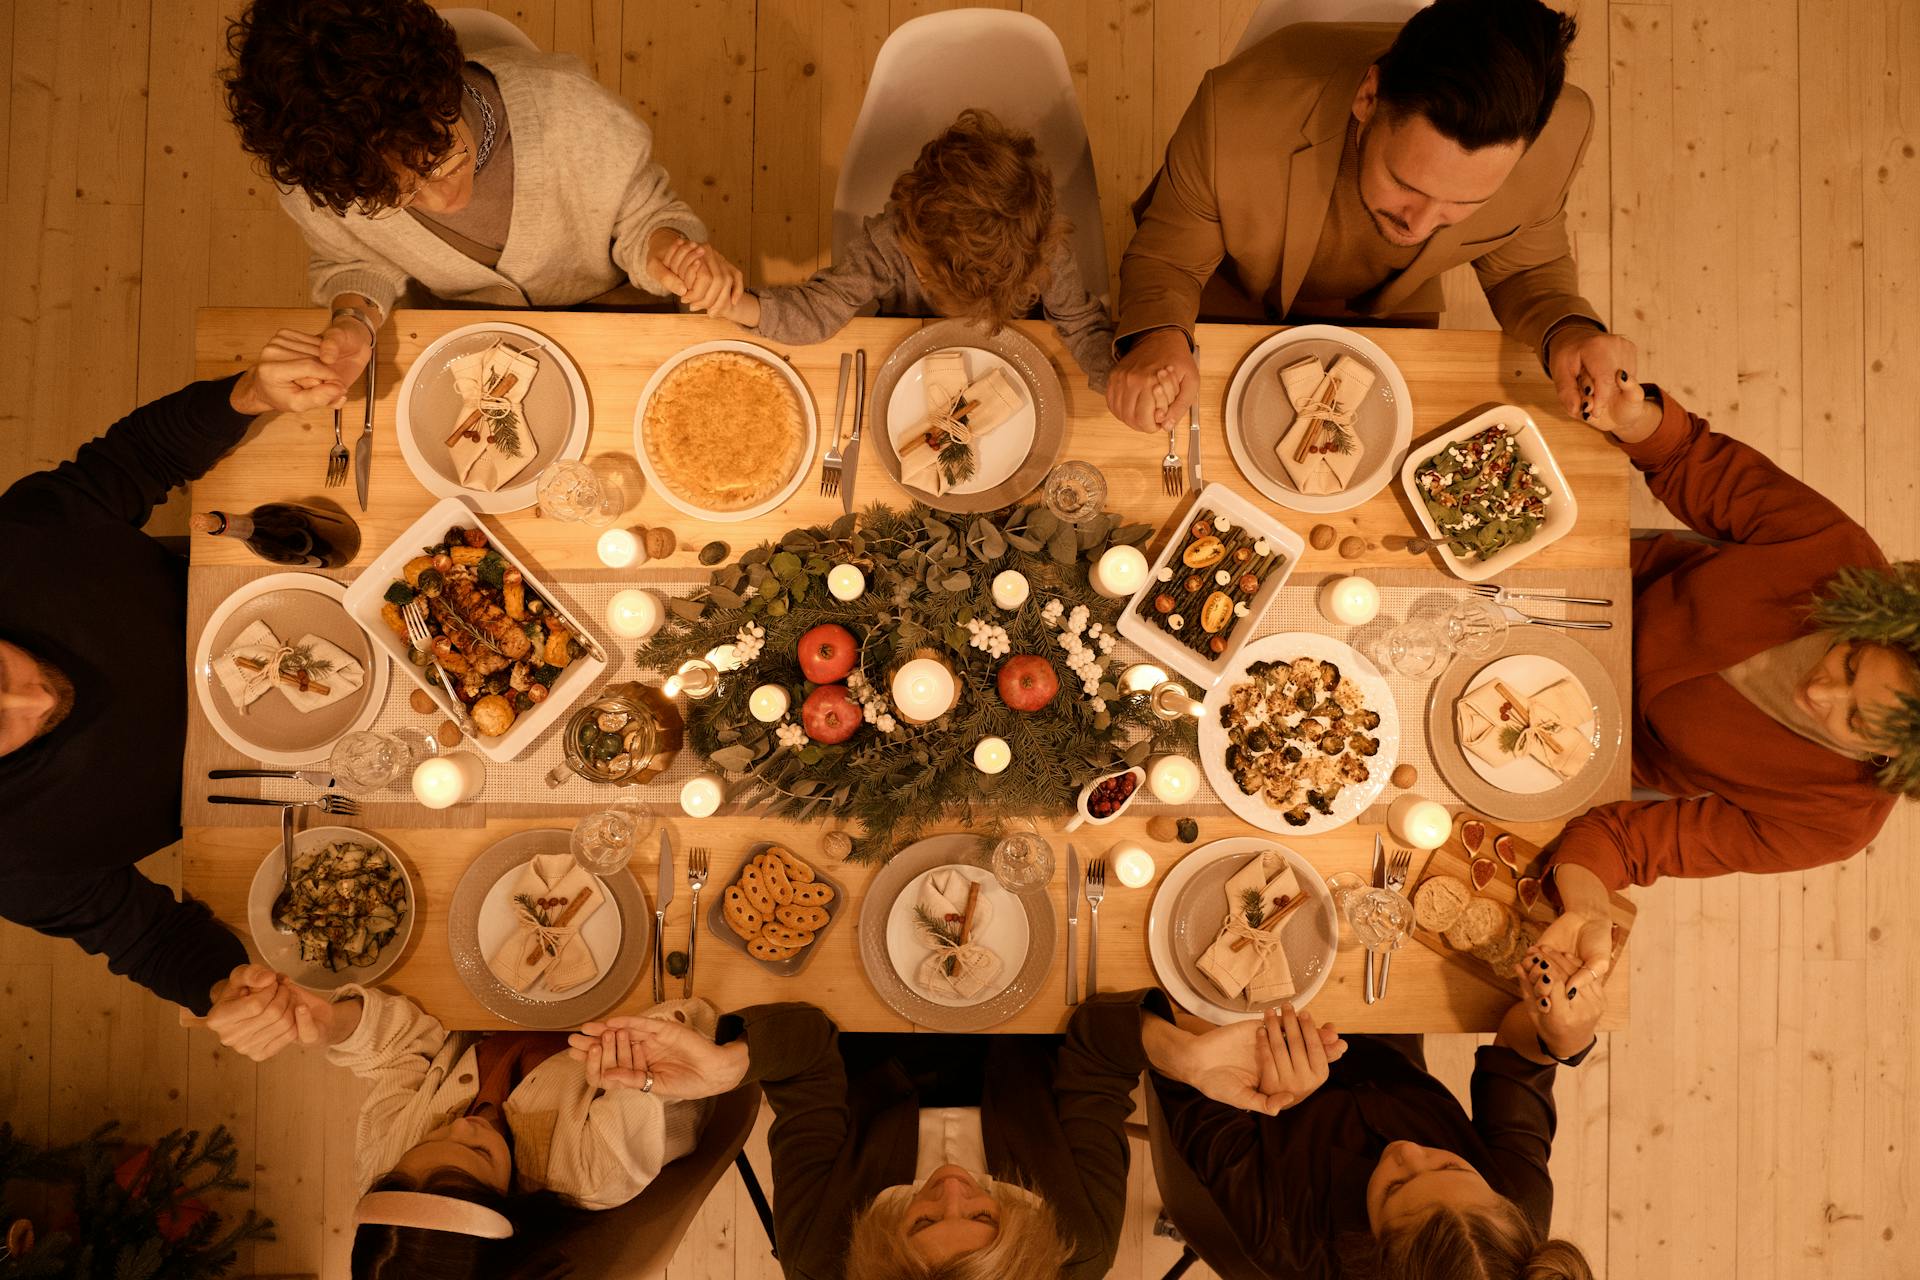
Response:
column 1563, row 996
column 258, row 1011
column 1152, row 386
column 1266, row 1065
column 702, row 278
column 1591, row 372
column 295, row 374
column 668, row 1059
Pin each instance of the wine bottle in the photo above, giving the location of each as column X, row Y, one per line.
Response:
column 288, row 533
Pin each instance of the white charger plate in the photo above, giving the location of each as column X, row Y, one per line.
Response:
column 1527, row 674
column 1352, row 800
column 1005, row 934
column 1004, row 449
column 499, row 921
column 281, row 951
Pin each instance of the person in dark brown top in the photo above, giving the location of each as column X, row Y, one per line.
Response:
column 1377, row 1171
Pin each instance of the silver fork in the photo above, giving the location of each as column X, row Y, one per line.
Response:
column 337, row 805
column 337, row 458
column 1096, row 890
column 1500, row 595
column 696, row 881
column 1172, row 477
column 1397, row 867
column 415, row 615
column 830, row 464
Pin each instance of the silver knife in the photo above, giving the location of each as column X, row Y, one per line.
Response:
column 663, row 894
column 317, row 777
column 1073, row 924
column 1379, row 882
column 1194, row 480
column 363, row 447
column 850, row 462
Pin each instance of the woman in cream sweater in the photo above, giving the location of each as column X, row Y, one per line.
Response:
column 467, row 1140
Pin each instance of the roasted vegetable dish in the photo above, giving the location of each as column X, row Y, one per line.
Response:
column 501, row 644
column 1298, row 733
column 346, row 903
column 1483, row 495
column 1204, row 593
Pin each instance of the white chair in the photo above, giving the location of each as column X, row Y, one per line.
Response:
column 478, row 29
column 934, row 67
column 1275, row 14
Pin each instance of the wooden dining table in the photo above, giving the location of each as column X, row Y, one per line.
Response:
column 1451, row 376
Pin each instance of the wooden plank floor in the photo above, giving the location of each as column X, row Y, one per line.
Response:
column 1749, row 212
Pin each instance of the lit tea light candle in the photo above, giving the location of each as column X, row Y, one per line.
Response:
column 700, row 796
column 1132, row 865
column 768, row 703
column 992, row 755
column 619, row 549
column 445, row 781
column 1420, row 823
column 1010, row 589
column 633, row 613
column 846, row 582
column 1120, row 573
column 1173, row 779
column 722, row 657
column 924, row 689
column 1142, row 677
column 1351, row 601
column 697, row 678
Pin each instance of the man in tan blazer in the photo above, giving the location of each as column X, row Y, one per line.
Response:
column 1334, row 171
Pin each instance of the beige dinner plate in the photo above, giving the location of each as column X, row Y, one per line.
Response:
column 1046, row 401
column 1443, row 737
column 882, row 900
column 281, row 951
column 271, row 729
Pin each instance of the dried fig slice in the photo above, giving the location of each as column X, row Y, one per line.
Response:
column 1483, row 873
column 1530, row 894
column 1507, row 849
column 1473, row 834
column 1204, row 553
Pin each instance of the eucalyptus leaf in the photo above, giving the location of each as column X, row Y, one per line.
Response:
column 842, row 527
column 1042, row 524
column 1108, row 690
column 757, row 555
column 817, row 564
column 802, row 588
column 777, row 607
column 1102, row 721
column 1132, row 533
column 1064, row 545
column 735, row 759
column 1022, row 542
column 957, row 638
column 786, row 566
column 725, row 598
column 799, row 539
column 957, row 582
column 806, row 786
column 1138, row 752
column 965, row 615
column 681, row 606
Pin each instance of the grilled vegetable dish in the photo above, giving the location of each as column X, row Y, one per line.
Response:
column 346, row 903
column 1204, row 592
column 1297, row 733
column 1483, row 495
column 502, row 645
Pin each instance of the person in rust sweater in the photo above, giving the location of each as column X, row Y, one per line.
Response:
column 1776, row 678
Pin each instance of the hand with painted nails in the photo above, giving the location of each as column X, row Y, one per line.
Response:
column 1590, row 369
column 1563, row 999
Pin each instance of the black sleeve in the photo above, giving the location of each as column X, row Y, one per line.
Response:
column 175, row 949
column 124, row 474
column 1513, row 1113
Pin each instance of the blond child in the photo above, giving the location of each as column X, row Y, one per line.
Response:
column 971, row 231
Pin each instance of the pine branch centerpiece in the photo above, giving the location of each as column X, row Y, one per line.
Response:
column 844, row 752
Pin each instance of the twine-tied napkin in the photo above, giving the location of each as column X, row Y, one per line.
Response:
column 311, row 672
column 1258, row 969
column 552, row 898
column 1500, row 726
column 956, row 969
column 492, row 444
column 1321, row 451
column 958, row 413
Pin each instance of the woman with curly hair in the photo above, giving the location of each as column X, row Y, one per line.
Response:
column 508, row 178
column 1776, row 681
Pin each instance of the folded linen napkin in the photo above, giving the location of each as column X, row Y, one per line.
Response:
column 955, row 969
column 1320, row 451
column 553, row 897
column 943, row 898
column 311, row 672
column 1258, row 970
column 257, row 647
column 1544, row 727
column 494, row 450
column 919, row 444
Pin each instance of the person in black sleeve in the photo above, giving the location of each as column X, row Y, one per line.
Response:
column 93, row 709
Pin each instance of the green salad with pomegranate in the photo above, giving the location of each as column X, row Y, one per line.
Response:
column 1483, row 495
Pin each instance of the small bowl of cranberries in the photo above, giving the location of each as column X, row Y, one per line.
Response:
column 1108, row 796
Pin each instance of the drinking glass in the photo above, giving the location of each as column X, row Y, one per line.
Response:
column 1380, row 918
column 1022, row 861
column 1416, row 648
column 1075, row 491
column 368, row 761
column 603, row 842
column 574, row 492
column 1470, row 626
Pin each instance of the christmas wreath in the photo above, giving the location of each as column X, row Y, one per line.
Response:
column 1036, row 672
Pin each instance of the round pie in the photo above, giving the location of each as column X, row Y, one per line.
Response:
column 724, row 431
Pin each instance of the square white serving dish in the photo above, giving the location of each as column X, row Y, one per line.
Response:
column 1562, row 509
column 366, row 593
column 1159, row 644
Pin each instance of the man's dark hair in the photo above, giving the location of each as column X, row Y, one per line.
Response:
column 326, row 92
column 1484, row 72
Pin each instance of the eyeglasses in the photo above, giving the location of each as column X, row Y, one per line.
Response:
column 447, row 168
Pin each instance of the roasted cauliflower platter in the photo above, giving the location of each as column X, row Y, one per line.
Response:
column 1297, row 734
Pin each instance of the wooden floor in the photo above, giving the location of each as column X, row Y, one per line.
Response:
column 1749, row 212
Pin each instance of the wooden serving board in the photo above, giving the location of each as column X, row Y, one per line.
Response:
column 1453, row 859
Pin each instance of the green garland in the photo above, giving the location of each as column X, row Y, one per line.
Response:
column 1882, row 606
column 928, row 576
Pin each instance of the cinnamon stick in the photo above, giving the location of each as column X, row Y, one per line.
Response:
column 966, row 918
column 299, row 680
column 567, row 913
column 1273, row 920
column 1313, row 428
column 501, row 385
column 1515, row 700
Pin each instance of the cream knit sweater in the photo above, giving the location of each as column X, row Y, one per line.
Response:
column 600, row 1148
column 587, row 195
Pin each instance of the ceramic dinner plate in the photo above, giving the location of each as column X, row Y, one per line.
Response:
column 1525, row 674
column 1259, row 414
column 1005, row 934
column 281, row 951
column 1015, row 469
column 270, row 730
column 479, row 914
column 556, row 410
column 1188, row 911
column 883, row 901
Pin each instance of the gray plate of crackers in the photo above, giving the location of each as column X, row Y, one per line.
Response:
column 719, row 926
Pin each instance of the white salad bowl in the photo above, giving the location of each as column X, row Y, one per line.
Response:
column 1562, row 509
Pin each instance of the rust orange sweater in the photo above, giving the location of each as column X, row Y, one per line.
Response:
column 1760, row 797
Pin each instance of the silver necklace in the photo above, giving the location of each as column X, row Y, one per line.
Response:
column 485, row 151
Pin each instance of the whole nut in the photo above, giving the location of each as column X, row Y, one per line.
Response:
column 1352, row 547
column 1405, row 775
column 1164, row 828
column 836, row 844
column 1321, row 536
column 714, row 552
column 448, row 734
column 423, row 702
column 661, row 543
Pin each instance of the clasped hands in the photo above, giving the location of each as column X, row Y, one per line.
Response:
column 1265, row 1065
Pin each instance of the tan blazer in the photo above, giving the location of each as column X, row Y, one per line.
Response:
column 1249, row 174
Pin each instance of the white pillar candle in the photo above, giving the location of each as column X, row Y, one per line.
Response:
column 1350, row 602
column 1010, row 589
column 1173, row 779
column 768, row 703
column 618, row 549
column 634, row 614
column 448, row 780
column 1420, row 823
column 924, row 689
column 700, row 796
column 1120, row 573
column 846, row 582
column 991, row 755
column 722, row 657
column 1132, row 865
